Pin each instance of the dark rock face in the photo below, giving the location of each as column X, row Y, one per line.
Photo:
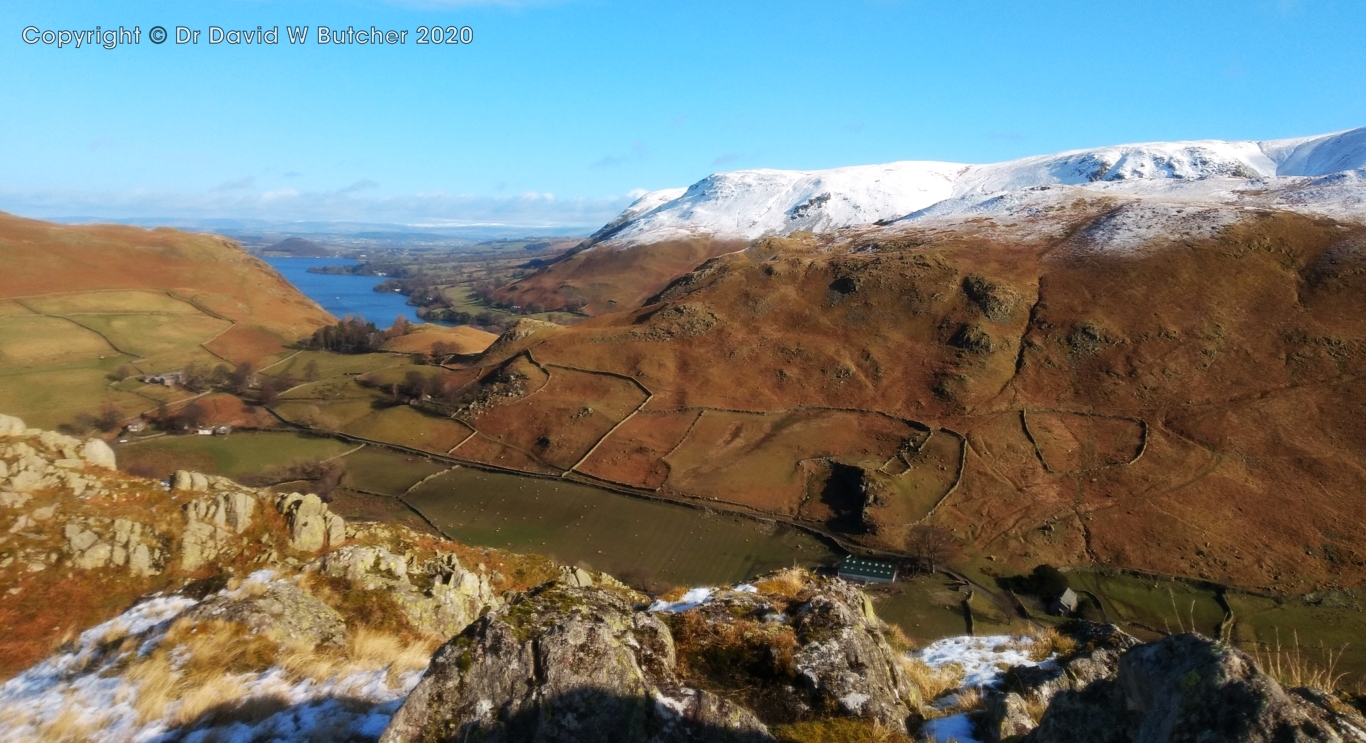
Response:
column 1096, row 658
column 574, row 662
column 564, row 663
column 1187, row 688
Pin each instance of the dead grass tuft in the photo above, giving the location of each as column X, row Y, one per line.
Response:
column 932, row 682
column 785, row 584
column 366, row 650
column 966, row 700
column 898, row 639
column 71, row 726
column 1049, row 643
column 1292, row 668
column 839, row 730
column 203, row 697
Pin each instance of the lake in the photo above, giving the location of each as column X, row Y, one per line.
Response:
column 344, row 295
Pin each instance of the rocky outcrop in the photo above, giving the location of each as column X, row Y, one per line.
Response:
column 1190, row 688
column 819, row 653
column 48, row 460
column 436, row 595
column 291, row 614
column 311, row 525
column 214, row 523
column 97, row 454
column 99, row 543
column 583, row 659
column 1096, row 658
column 11, row 426
column 212, row 526
column 564, row 663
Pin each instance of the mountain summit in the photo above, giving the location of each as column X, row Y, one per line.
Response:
column 749, row 204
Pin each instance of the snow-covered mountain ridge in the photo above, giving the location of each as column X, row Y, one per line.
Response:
column 1321, row 174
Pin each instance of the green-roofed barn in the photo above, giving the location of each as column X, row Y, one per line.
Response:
column 872, row 571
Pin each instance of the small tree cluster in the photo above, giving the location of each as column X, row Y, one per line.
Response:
column 351, row 335
column 107, row 420
column 192, row 415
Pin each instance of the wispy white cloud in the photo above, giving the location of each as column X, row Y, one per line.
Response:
column 360, row 185
column 235, row 184
column 357, row 202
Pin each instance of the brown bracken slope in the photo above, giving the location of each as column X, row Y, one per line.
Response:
column 214, row 273
column 1192, row 406
column 605, row 279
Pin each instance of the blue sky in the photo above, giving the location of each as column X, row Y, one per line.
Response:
column 560, row 110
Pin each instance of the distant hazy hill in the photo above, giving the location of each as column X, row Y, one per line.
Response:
column 300, row 247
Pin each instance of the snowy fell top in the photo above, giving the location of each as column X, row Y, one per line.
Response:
column 1322, row 174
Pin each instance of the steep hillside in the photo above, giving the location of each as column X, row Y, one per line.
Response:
column 1320, row 175
column 211, row 611
column 80, row 303
column 1081, row 384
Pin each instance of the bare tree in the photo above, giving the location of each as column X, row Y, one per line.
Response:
column 930, row 547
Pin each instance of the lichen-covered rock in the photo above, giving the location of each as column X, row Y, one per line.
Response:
column 287, row 611
column 212, row 525
column 447, row 601
column 11, row 426
column 191, row 481
column 311, row 525
column 564, row 663
column 1190, row 688
column 844, row 663
column 94, row 544
column 97, row 453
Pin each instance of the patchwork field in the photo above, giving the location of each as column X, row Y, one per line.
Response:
column 32, row 340
column 756, row 458
column 633, row 539
column 84, row 307
column 239, row 454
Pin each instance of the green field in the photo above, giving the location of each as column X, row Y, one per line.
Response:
column 55, row 395
column 110, row 303
column 384, row 471
column 1142, row 605
column 231, row 456
column 627, row 537
column 28, row 340
column 337, row 364
column 154, row 335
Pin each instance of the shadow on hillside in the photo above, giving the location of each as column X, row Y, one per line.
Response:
column 590, row 716
column 582, row 716
column 273, row 717
column 844, row 494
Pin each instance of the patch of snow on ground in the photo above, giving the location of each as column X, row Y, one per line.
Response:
column 41, row 694
column 86, row 682
column 357, row 706
column 696, row 597
column 957, row 728
column 982, row 659
column 691, row 600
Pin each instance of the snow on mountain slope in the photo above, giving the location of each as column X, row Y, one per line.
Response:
column 752, row 203
column 1287, row 173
